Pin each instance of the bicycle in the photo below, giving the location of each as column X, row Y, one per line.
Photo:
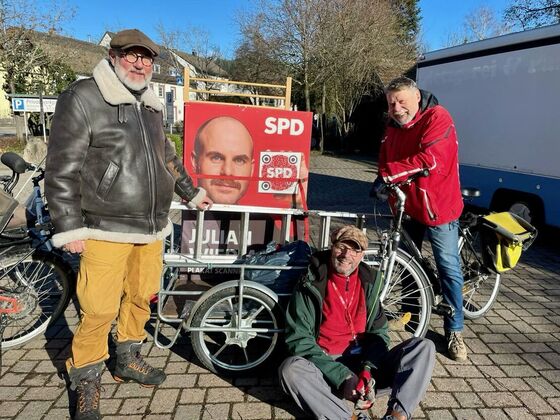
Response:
column 35, row 282
column 235, row 324
column 412, row 288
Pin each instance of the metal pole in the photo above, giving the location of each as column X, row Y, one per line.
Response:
column 42, row 113
column 26, row 128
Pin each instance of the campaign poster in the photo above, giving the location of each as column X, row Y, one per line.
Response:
column 246, row 155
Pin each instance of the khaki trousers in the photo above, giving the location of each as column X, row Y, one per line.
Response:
column 116, row 281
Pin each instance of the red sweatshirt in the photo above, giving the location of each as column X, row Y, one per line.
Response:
column 335, row 332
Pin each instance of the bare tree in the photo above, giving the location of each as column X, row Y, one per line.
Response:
column 533, row 13
column 286, row 32
column 27, row 67
column 255, row 60
column 361, row 49
column 480, row 23
column 203, row 59
column 336, row 51
column 20, row 58
column 171, row 40
column 333, row 48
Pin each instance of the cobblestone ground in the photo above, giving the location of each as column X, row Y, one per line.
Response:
column 513, row 369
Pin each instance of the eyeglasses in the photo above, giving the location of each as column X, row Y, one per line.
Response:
column 349, row 250
column 133, row 57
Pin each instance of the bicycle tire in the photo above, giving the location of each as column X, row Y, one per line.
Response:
column 410, row 291
column 233, row 353
column 481, row 283
column 51, row 285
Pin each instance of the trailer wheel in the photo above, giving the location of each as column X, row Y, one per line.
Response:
column 236, row 352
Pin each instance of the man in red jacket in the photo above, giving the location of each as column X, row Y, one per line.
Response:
column 421, row 135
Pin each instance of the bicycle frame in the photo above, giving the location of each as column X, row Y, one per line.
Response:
column 39, row 234
column 391, row 245
column 475, row 272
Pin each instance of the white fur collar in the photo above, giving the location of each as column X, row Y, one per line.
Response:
column 115, row 93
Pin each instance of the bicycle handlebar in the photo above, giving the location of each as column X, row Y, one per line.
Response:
column 395, row 188
column 421, row 174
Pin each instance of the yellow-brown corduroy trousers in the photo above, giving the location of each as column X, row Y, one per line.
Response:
column 116, row 281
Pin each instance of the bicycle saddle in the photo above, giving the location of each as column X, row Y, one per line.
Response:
column 15, row 162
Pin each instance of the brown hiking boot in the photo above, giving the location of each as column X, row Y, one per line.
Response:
column 131, row 366
column 394, row 415
column 86, row 382
column 456, row 346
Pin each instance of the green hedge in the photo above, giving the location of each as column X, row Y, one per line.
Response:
column 178, row 140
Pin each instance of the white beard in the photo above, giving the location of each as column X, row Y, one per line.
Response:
column 131, row 84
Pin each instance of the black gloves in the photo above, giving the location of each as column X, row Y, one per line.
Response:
column 379, row 190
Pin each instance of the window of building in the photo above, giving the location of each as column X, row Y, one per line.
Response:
column 160, row 91
column 172, row 71
column 157, row 68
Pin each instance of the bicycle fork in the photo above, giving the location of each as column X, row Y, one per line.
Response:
column 388, row 264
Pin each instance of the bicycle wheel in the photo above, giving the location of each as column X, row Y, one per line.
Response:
column 41, row 283
column 408, row 302
column 481, row 284
column 234, row 352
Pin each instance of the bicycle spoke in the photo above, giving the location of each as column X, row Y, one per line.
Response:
column 230, row 301
column 220, row 350
column 255, row 314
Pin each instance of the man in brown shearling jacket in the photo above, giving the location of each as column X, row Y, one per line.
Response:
column 110, row 177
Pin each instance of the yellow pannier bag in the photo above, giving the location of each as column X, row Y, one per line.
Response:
column 505, row 236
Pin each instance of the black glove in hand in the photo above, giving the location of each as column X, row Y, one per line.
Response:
column 349, row 388
column 379, row 190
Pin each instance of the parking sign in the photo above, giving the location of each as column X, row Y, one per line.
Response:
column 33, row 104
column 18, row 104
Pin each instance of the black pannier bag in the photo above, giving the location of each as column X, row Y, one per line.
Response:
column 293, row 254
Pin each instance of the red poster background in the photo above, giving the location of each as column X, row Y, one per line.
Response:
column 278, row 135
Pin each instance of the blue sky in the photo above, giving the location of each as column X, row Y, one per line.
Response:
column 218, row 17
column 442, row 17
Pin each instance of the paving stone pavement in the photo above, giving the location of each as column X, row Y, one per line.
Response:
column 513, row 369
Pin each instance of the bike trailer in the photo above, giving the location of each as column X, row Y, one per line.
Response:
column 504, row 236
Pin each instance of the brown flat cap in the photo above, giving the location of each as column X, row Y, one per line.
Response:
column 350, row 234
column 133, row 38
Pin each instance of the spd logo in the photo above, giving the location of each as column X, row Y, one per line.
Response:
column 281, row 169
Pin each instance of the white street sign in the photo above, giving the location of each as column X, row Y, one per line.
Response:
column 33, row 105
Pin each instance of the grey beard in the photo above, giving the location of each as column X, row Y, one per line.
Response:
column 136, row 86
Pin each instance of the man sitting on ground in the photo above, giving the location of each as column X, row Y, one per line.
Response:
column 336, row 333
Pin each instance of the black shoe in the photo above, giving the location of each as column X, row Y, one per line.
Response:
column 131, row 366
column 86, row 382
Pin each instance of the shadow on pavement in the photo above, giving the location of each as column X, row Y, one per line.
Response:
column 261, row 384
column 334, row 193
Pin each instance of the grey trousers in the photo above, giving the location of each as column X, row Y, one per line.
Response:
column 405, row 371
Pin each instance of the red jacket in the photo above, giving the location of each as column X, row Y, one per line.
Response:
column 428, row 141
